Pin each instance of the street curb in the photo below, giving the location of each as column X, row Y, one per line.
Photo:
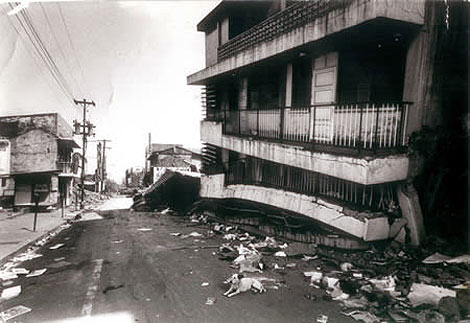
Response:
column 28, row 243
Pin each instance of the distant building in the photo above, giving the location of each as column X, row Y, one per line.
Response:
column 36, row 158
column 172, row 157
column 134, row 177
column 309, row 106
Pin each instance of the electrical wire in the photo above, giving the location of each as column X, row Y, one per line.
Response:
column 74, row 52
column 77, row 85
column 35, row 40
column 32, row 54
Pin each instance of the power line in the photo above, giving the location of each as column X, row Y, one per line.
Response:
column 33, row 54
column 45, row 57
column 74, row 52
column 60, row 50
column 45, row 52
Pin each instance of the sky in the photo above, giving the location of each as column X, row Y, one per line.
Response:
column 131, row 58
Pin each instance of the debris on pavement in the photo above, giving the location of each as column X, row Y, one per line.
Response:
column 117, row 241
column 10, row 292
column 37, row 272
column 57, row 246
column 210, row 301
column 322, row 318
column 20, row 271
column 13, row 312
column 428, row 294
column 205, row 284
column 144, row 229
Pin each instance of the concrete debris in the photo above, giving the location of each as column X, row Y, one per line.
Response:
column 175, row 190
column 10, row 292
column 13, row 312
column 428, row 294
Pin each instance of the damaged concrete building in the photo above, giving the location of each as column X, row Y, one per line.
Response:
column 37, row 158
column 309, row 107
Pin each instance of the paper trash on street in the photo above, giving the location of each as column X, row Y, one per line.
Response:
column 20, row 271
column 11, row 292
column 38, row 272
column 57, row 246
column 145, row 229
column 14, row 312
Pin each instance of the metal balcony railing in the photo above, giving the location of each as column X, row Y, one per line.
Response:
column 361, row 126
column 259, row 172
column 282, row 22
column 67, row 167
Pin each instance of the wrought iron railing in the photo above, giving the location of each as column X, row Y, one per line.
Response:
column 361, row 126
column 259, row 172
column 282, row 22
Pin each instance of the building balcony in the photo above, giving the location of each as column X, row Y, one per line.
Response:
column 302, row 24
column 363, row 143
column 67, row 169
column 368, row 226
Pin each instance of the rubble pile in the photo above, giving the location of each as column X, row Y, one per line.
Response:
column 178, row 190
column 387, row 283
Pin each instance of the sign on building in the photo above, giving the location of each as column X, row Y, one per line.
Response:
column 4, row 157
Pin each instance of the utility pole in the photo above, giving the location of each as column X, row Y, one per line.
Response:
column 85, row 129
column 101, row 167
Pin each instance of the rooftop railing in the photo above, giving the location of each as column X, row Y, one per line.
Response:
column 282, row 22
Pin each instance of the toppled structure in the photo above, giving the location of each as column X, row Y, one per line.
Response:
column 174, row 189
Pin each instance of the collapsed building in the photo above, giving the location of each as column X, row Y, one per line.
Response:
column 309, row 107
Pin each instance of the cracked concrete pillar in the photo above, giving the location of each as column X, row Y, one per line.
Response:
column 411, row 210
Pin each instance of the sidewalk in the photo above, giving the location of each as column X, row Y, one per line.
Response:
column 16, row 232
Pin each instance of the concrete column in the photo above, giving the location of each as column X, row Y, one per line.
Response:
column 225, row 156
column 411, row 210
column 289, row 85
column 243, row 94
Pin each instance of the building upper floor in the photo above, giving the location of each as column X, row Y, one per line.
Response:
column 36, row 143
column 238, row 34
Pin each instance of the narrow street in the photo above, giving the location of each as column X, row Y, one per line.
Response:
column 133, row 267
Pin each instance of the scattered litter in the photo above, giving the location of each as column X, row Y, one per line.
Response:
column 57, row 246
column 145, row 229
column 59, row 259
column 37, row 272
column 205, row 284
column 291, row 265
column 117, row 241
column 210, row 301
column 14, row 312
column 438, row 258
column 165, row 211
column 346, row 266
column 230, row 236
column 11, row 292
column 175, row 234
column 280, row 254
column 7, row 275
column 193, row 234
column 363, row 316
column 20, row 271
column 60, row 264
column 428, row 294
column 308, row 258
column 322, row 318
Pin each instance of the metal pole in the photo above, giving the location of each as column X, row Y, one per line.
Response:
column 36, row 207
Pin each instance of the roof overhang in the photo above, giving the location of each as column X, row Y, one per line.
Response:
column 69, row 142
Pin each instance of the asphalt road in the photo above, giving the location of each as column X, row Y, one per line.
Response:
column 128, row 267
